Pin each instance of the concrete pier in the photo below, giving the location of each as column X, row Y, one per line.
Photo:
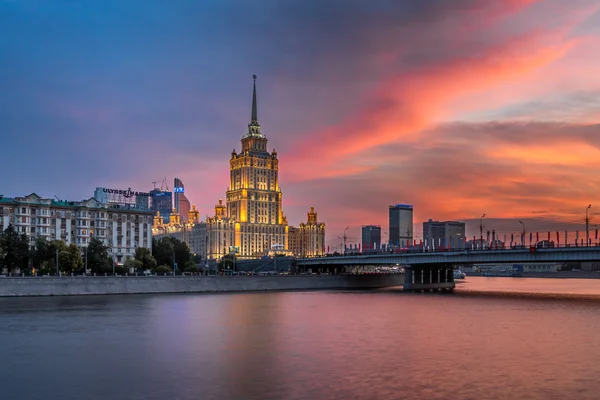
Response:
column 431, row 277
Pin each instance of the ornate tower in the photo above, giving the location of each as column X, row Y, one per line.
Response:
column 254, row 198
column 254, row 194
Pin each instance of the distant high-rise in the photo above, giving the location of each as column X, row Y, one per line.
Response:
column 371, row 237
column 162, row 202
column 181, row 203
column 446, row 233
column 401, row 225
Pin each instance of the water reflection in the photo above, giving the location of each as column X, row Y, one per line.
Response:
column 481, row 343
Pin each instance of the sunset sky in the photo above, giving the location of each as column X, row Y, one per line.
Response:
column 459, row 107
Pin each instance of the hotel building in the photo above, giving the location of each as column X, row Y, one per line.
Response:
column 251, row 222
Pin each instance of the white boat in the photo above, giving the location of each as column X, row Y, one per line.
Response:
column 458, row 274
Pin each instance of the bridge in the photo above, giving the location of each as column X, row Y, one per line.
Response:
column 433, row 270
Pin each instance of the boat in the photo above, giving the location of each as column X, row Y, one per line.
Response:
column 458, row 274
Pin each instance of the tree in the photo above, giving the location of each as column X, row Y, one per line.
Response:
column 162, row 269
column 70, row 260
column 98, row 258
column 169, row 250
column 162, row 251
column 144, row 256
column 132, row 263
column 182, row 252
column 227, row 262
column 15, row 248
column 41, row 252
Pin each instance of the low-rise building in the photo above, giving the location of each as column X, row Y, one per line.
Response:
column 447, row 234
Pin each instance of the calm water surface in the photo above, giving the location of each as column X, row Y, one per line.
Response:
column 496, row 338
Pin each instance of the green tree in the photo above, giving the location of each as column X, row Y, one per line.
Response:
column 161, row 269
column 227, row 262
column 144, row 256
column 182, row 252
column 15, row 249
column 132, row 263
column 70, row 260
column 41, row 252
column 98, row 259
column 168, row 250
column 162, row 251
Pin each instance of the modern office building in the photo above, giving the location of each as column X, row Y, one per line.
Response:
column 181, row 202
column 448, row 234
column 252, row 221
column 162, row 202
column 120, row 227
column 371, row 237
column 401, row 225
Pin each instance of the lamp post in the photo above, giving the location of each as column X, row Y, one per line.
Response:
column 587, row 226
column 522, row 233
column 481, row 230
column 57, row 261
column 345, row 239
column 174, row 264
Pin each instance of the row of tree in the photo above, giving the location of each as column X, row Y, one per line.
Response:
column 47, row 256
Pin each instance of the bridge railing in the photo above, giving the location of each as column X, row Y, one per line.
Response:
column 473, row 248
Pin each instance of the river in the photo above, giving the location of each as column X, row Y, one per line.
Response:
column 494, row 338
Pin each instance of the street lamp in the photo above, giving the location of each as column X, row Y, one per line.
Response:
column 587, row 226
column 522, row 233
column 481, row 230
column 345, row 239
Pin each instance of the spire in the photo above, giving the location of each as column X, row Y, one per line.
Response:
column 254, row 111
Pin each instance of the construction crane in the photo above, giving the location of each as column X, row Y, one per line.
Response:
column 164, row 186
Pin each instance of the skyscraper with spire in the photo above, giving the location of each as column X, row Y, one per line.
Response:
column 252, row 220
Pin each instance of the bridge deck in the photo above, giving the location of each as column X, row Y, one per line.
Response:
column 563, row 254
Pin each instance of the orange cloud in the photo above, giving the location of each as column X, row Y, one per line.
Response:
column 411, row 102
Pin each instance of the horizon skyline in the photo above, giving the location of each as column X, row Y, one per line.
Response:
column 459, row 110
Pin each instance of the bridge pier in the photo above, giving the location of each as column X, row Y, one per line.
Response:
column 429, row 277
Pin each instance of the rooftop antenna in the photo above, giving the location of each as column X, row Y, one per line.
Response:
column 154, row 184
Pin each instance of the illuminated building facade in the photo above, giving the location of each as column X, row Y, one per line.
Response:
column 252, row 220
column 312, row 236
column 190, row 231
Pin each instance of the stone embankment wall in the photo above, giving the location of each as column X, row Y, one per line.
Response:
column 88, row 285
